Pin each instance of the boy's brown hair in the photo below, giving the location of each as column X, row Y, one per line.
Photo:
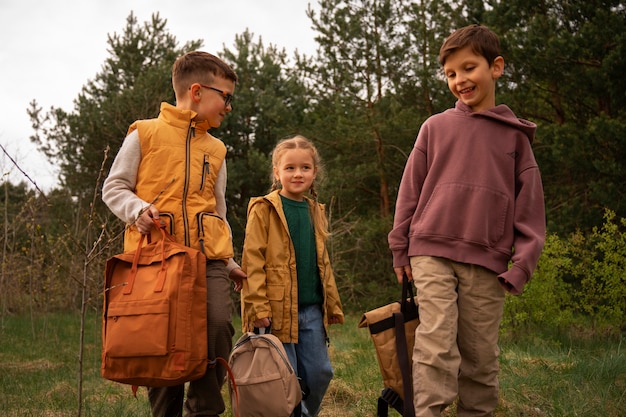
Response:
column 198, row 67
column 481, row 39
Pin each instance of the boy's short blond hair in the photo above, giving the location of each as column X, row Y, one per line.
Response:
column 481, row 39
column 198, row 67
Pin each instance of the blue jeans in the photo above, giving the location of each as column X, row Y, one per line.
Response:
column 309, row 357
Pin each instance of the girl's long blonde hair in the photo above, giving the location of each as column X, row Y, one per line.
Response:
column 320, row 222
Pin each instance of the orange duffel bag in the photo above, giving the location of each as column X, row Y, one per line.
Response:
column 154, row 330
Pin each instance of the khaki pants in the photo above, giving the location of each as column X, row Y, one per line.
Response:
column 456, row 343
column 204, row 396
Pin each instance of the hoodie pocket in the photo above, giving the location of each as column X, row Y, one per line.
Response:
column 465, row 212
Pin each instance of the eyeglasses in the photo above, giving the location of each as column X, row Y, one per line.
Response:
column 228, row 98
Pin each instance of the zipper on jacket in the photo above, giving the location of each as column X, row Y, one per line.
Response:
column 293, row 279
column 170, row 216
column 200, row 223
column 205, row 171
column 191, row 133
column 324, row 292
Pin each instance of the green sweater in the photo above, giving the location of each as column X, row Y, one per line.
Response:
column 303, row 237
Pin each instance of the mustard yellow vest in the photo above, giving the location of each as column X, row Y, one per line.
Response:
column 180, row 161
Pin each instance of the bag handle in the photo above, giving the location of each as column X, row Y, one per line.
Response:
column 231, row 375
column 407, row 307
column 162, row 273
column 407, row 302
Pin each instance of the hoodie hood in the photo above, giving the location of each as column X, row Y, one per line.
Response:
column 504, row 114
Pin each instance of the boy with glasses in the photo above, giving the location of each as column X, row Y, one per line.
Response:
column 170, row 168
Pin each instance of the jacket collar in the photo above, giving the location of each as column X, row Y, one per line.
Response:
column 274, row 198
column 182, row 118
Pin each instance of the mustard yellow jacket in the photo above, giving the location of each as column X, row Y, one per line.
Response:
column 269, row 260
column 179, row 165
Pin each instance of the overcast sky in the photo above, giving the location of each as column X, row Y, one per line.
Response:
column 49, row 49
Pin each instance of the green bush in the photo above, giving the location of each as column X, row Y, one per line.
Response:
column 579, row 284
column 602, row 292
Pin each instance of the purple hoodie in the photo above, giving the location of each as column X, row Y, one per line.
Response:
column 471, row 192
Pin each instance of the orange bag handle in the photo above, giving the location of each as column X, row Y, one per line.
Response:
column 162, row 273
column 224, row 363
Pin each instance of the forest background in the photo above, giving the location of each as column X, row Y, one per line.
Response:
column 361, row 98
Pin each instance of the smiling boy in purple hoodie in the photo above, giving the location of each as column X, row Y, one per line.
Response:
column 469, row 225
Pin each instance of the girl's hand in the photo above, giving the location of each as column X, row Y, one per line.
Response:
column 333, row 320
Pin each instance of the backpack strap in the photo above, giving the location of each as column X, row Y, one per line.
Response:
column 133, row 270
column 403, row 359
column 162, row 273
column 213, row 364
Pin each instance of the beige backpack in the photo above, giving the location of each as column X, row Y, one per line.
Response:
column 267, row 384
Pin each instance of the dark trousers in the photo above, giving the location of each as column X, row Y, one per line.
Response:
column 204, row 396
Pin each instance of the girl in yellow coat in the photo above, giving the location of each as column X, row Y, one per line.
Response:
column 291, row 288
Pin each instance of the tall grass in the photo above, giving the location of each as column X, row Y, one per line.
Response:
column 538, row 378
column 564, row 378
column 39, row 371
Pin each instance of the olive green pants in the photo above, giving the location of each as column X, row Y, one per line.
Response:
column 204, row 397
column 456, row 343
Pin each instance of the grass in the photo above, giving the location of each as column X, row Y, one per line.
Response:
column 538, row 378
